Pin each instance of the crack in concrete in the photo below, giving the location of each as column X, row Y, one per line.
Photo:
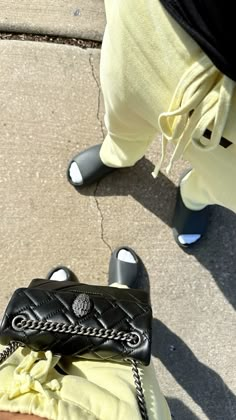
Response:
column 103, row 136
column 99, row 96
column 101, row 219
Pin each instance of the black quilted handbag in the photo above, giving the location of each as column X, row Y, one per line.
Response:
column 80, row 320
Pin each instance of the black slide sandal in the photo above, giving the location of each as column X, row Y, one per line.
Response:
column 124, row 272
column 70, row 276
column 90, row 165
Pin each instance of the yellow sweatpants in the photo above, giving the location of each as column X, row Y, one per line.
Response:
column 156, row 79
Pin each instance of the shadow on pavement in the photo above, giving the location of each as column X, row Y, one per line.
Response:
column 179, row 411
column 216, row 252
column 202, row 384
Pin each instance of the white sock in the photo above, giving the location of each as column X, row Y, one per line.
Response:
column 188, row 239
column 126, row 256
column 75, row 174
column 59, row 275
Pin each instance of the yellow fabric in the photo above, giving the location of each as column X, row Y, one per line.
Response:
column 156, row 79
column 91, row 390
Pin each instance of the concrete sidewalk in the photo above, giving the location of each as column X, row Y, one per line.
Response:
column 72, row 18
column 51, row 107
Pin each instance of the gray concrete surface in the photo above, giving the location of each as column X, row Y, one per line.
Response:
column 51, row 107
column 73, row 18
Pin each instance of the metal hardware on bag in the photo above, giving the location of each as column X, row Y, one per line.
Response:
column 17, row 322
column 82, row 305
column 135, row 341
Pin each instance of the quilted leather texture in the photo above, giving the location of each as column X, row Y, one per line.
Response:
column 110, row 308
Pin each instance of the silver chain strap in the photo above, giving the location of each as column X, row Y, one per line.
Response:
column 133, row 339
column 139, row 390
column 19, row 323
column 9, row 350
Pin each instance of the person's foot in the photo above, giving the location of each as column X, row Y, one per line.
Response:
column 61, row 273
column 87, row 167
column 189, row 226
column 124, row 267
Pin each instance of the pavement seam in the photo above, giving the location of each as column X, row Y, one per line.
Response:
column 51, row 39
column 103, row 136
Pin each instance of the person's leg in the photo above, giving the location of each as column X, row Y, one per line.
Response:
column 156, row 404
column 129, row 130
column 210, row 182
column 135, row 83
column 191, row 213
column 213, row 179
column 194, row 192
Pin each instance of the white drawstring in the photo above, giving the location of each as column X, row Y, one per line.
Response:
column 201, row 99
